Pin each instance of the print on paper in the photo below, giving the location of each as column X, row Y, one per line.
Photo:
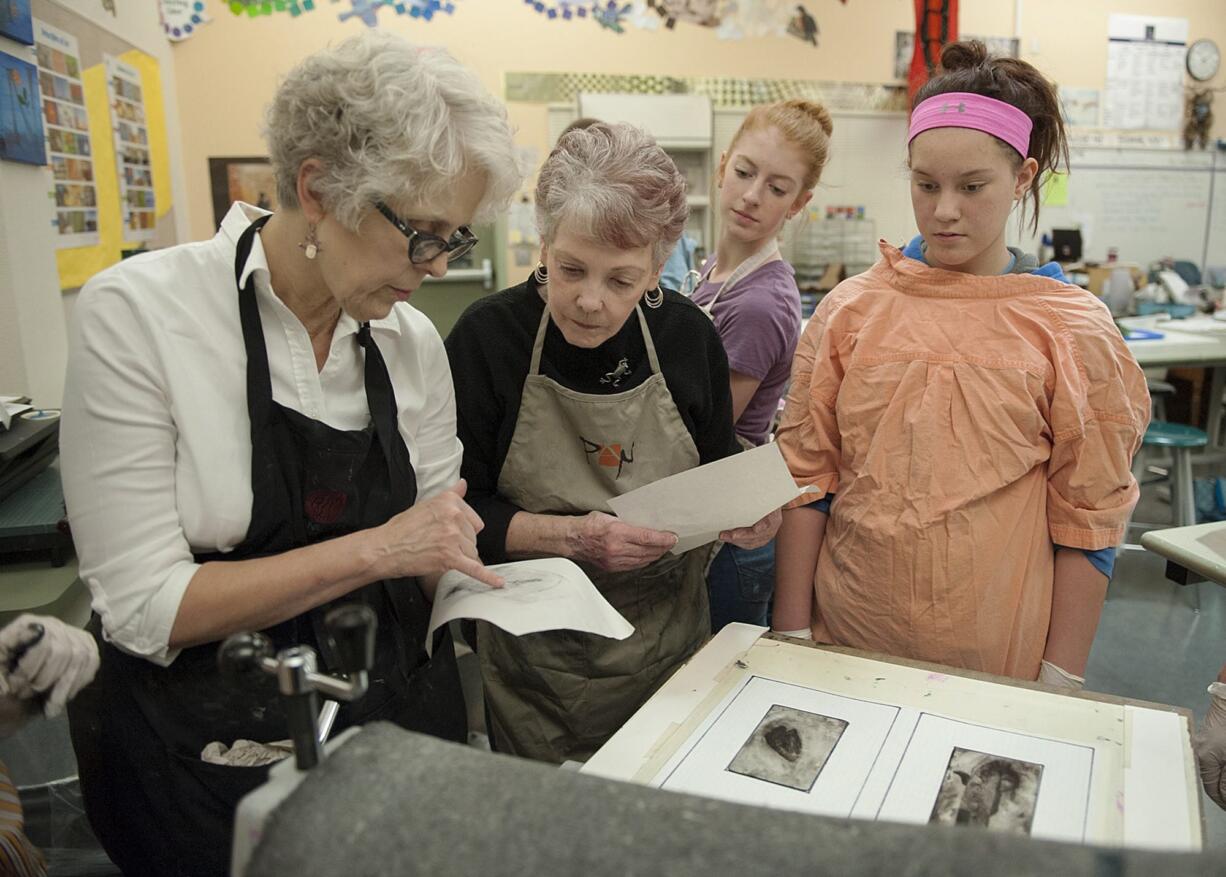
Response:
column 989, row 791
column 789, row 747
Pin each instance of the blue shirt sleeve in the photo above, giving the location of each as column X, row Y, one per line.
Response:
column 822, row 505
column 1102, row 560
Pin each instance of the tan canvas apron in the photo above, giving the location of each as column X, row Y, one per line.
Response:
column 560, row 695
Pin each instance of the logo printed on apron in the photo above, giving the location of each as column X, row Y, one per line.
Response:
column 612, row 456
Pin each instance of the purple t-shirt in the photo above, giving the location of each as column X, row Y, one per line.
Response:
column 759, row 322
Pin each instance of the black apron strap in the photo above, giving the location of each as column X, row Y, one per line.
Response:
column 381, row 397
column 259, row 378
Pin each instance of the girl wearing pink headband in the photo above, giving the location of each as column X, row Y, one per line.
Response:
column 969, row 416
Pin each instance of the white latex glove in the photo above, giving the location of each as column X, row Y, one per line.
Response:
column 803, row 633
column 58, row 665
column 1050, row 674
column 1210, row 746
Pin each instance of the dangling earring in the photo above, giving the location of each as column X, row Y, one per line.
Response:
column 540, row 275
column 654, row 297
column 310, row 247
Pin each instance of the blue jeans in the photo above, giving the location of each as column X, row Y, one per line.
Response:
column 741, row 583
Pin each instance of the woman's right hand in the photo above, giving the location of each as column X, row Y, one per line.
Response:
column 432, row 537
column 615, row 546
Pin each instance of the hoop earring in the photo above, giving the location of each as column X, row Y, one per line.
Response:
column 654, row 297
column 540, row 275
column 310, row 247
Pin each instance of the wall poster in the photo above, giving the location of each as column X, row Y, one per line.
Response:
column 69, row 147
column 126, row 98
column 1145, row 71
column 21, row 128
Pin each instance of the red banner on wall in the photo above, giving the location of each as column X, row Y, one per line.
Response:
column 936, row 25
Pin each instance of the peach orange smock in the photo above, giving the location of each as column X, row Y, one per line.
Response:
column 967, row 425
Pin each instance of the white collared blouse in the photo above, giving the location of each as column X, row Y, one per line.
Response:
column 155, row 437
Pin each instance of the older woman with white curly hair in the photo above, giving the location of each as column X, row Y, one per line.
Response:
column 582, row 383
column 259, row 426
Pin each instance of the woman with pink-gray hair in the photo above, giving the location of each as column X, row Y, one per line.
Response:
column 584, row 382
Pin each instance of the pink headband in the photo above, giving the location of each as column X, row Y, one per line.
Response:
column 959, row 109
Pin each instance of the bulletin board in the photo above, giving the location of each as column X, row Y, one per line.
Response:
column 154, row 225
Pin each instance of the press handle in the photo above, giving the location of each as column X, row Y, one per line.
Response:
column 242, row 653
column 351, row 633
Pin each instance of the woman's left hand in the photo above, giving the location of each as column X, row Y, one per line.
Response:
column 754, row 536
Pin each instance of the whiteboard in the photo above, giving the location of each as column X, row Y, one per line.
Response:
column 1215, row 249
column 1146, row 203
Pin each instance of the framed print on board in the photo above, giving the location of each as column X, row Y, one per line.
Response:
column 21, row 113
column 244, row 178
column 16, row 22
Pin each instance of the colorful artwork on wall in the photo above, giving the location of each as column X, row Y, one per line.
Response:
column 564, row 10
column 707, row 13
column 804, row 27
column 16, row 22
column 180, row 18
column 612, row 15
column 367, row 11
column 68, row 139
column 126, row 96
column 254, row 8
column 246, row 178
column 936, row 26
column 21, row 123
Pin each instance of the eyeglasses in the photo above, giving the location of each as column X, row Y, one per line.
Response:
column 426, row 247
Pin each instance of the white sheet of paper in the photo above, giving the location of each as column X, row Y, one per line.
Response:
column 548, row 594
column 702, row 502
column 1156, row 814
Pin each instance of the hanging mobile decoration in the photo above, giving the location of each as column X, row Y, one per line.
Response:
column 612, row 16
column 255, row 8
column 803, row 26
column 706, row 13
column 367, row 11
column 568, row 10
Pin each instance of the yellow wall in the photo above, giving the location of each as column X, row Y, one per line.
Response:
column 227, row 72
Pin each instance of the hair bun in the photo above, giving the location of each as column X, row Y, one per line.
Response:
column 961, row 55
column 814, row 111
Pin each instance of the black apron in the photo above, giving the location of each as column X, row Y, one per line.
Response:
column 139, row 728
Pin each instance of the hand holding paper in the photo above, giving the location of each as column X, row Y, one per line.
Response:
column 615, row 546
column 700, row 503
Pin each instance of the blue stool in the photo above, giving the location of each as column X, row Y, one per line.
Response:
column 1180, row 440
